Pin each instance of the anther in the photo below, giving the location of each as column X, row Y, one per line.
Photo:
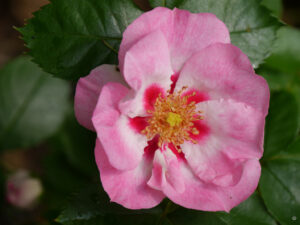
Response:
column 173, row 119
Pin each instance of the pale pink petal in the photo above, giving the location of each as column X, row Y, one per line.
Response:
column 192, row 192
column 156, row 19
column 128, row 188
column 237, row 121
column 185, row 32
column 148, row 61
column 193, row 32
column 88, row 89
column 138, row 102
column 166, row 169
column 221, row 198
column 200, row 195
column 124, row 147
column 235, row 133
column 234, row 195
column 148, row 71
column 223, row 71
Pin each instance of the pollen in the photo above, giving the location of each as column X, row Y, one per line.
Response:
column 172, row 119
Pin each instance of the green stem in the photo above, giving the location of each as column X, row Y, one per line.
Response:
column 165, row 212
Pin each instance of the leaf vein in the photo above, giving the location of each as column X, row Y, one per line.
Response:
column 248, row 30
column 22, row 108
column 280, row 182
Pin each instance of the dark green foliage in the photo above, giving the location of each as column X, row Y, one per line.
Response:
column 68, row 38
column 33, row 104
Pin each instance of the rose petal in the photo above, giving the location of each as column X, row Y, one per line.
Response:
column 236, row 134
column 166, row 168
column 88, row 89
column 148, row 61
column 127, row 188
column 123, row 145
column 198, row 194
column 185, row 32
column 137, row 103
column 224, row 71
column 174, row 178
column 193, row 32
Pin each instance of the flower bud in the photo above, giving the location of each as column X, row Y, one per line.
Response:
column 22, row 190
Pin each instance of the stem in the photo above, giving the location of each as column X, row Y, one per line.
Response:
column 165, row 212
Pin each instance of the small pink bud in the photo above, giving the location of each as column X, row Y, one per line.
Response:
column 22, row 190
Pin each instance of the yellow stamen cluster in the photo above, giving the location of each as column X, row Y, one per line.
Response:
column 172, row 119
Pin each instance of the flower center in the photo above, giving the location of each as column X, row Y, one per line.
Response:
column 172, row 119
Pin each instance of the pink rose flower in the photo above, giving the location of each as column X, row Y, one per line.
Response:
column 184, row 118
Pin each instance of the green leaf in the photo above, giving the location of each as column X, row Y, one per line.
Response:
column 184, row 216
column 166, row 3
column 84, row 206
column 251, row 28
column 280, row 185
column 92, row 204
column 68, row 38
column 250, row 212
column 119, row 220
column 281, row 124
column 282, row 68
column 279, row 80
column 59, row 179
column 78, row 145
column 32, row 104
column 285, row 55
column 275, row 6
column 139, row 219
column 100, row 220
column 60, row 175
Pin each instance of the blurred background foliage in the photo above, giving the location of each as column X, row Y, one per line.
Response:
column 39, row 133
